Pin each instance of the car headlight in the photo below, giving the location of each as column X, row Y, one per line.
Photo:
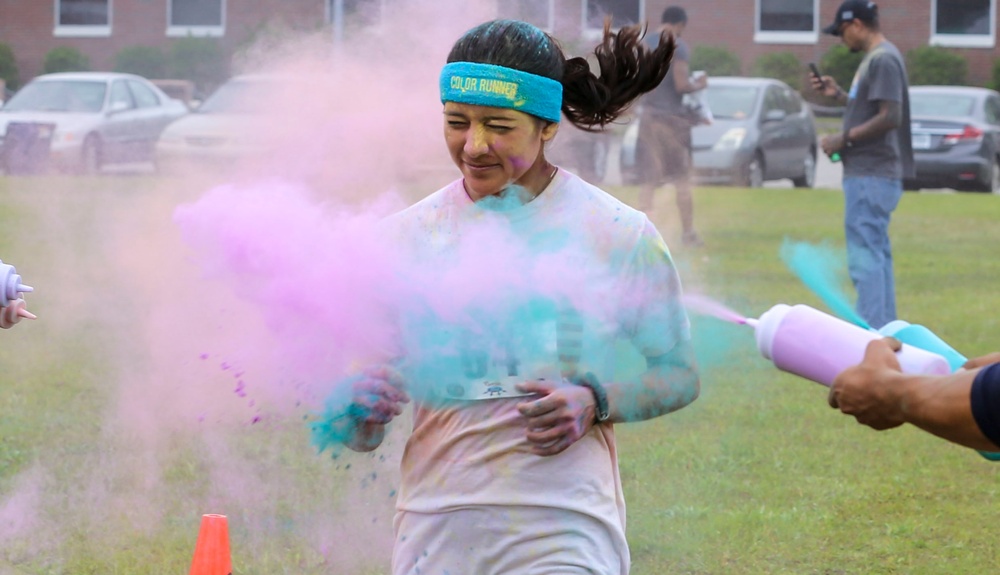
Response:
column 731, row 140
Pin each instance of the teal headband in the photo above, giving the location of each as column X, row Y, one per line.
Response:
column 500, row 87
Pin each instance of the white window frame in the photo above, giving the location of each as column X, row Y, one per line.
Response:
column 964, row 40
column 595, row 33
column 382, row 5
column 211, row 31
column 64, row 31
column 550, row 23
column 776, row 37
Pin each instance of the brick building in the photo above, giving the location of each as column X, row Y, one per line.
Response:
column 750, row 28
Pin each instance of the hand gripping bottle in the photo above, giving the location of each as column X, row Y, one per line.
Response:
column 811, row 344
column 12, row 306
column 920, row 336
column 10, row 285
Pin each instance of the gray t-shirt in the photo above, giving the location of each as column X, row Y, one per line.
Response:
column 665, row 98
column 881, row 76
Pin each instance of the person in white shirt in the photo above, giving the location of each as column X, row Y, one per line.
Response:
column 511, row 466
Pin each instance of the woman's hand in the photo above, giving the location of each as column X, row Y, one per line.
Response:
column 560, row 417
column 378, row 396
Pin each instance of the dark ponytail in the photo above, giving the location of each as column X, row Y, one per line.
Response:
column 628, row 68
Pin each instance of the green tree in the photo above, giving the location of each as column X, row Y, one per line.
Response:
column 994, row 82
column 715, row 60
column 65, row 59
column 936, row 66
column 146, row 61
column 8, row 67
column 783, row 66
column 200, row 60
column 841, row 63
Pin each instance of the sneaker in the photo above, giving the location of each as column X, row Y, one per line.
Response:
column 692, row 240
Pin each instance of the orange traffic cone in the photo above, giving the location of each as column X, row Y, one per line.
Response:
column 211, row 553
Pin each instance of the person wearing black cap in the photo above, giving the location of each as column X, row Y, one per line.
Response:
column 664, row 146
column 876, row 151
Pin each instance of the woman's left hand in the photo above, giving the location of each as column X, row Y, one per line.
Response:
column 560, row 417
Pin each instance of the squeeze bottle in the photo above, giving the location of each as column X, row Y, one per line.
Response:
column 10, row 285
column 920, row 336
column 811, row 344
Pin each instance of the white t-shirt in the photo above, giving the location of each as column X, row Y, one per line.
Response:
column 607, row 275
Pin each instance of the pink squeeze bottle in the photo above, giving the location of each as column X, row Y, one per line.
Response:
column 811, row 344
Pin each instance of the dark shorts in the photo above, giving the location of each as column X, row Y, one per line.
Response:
column 663, row 148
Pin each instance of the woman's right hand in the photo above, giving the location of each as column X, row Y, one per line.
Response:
column 378, row 395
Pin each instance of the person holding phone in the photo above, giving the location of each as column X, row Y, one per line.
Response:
column 876, row 151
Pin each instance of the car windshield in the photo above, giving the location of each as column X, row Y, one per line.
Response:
column 947, row 105
column 733, row 102
column 59, row 96
column 238, row 97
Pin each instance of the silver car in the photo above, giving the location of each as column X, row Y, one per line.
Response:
column 956, row 138
column 761, row 130
column 81, row 121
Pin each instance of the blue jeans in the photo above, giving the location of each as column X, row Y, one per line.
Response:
column 869, row 202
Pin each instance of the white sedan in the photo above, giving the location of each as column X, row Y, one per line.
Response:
column 81, row 121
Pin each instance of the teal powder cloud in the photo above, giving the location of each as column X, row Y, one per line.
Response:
column 820, row 268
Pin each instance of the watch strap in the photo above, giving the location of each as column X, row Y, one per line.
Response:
column 589, row 380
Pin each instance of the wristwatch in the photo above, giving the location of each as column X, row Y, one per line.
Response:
column 589, row 380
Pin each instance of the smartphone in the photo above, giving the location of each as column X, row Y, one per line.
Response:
column 815, row 72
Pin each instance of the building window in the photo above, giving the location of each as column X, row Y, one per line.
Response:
column 355, row 13
column 622, row 12
column 963, row 23
column 541, row 13
column 196, row 17
column 787, row 22
column 83, row 18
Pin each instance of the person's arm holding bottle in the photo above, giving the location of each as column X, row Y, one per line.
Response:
column 962, row 408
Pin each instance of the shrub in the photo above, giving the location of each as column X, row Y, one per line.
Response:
column 65, row 59
column 936, row 66
column 841, row 63
column 8, row 67
column 994, row 82
column 783, row 66
column 200, row 60
column 716, row 60
column 146, row 61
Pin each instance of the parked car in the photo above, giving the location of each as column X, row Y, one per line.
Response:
column 82, row 121
column 230, row 125
column 761, row 130
column 956, row 138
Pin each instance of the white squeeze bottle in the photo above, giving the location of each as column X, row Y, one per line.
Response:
column 809, row 343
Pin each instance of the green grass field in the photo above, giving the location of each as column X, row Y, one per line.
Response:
column 100, row 474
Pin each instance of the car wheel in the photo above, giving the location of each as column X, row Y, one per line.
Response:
column 753, row 172
column 808, row 179
column 993, row 186
column 91, row 156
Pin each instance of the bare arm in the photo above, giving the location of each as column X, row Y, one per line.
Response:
column 888, row 118
column 565, row 412
column 879, row 395
column 669, row 383
column 682, row 78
